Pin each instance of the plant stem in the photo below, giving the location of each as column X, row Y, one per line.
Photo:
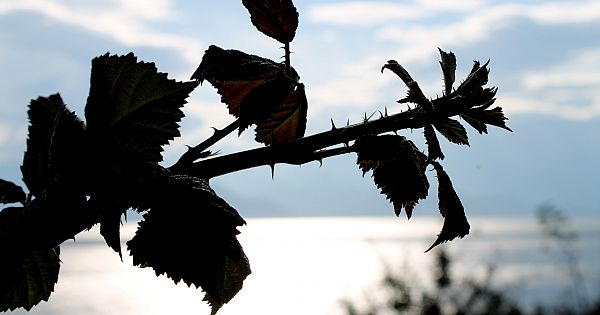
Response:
column 310, row 148
column 288, row 63
column 197, row 152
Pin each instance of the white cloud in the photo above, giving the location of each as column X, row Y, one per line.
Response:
column 565, row 12
column 552, row 103
column 123, row 20
column 581, row 70
column 10, row 136
column 356, row 85
column 400, row 23
column 480, row 23
column 570, row 90
column 370, row 12
column 343, row 92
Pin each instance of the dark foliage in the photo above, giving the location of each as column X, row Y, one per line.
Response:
column 398, row 169
column 191, row 236
column 79, row 175
column 257, row 91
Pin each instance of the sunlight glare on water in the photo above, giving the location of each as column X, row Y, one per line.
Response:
column 299, row 265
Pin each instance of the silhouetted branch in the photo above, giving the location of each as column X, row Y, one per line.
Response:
column 307, row 149
column 197, row 152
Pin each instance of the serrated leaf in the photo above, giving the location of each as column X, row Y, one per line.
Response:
column 252, row 87
column 434, row 151
column 415, row 94
column 398, row 169
column 27, row 278
column 277, row 19
column 470, row 93
column 10, row 192
column 110, row 220
column 189, row 234
column 452, row 130
column 455, row 220
column 477, row 124
column 54, row 144
column 123, row 187
column 480, row 117
column 448, row 64
column 133, row 109
column 287, row 121
column 478, row 77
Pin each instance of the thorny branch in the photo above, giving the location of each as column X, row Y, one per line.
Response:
column 311, row 148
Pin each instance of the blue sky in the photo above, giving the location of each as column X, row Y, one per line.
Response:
column 545, row 59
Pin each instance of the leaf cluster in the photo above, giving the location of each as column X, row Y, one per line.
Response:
column 79, row 174
column 397, row 164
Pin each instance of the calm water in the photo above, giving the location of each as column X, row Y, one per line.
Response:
column 308, row 265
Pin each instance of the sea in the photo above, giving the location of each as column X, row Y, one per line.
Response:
column 313, row 265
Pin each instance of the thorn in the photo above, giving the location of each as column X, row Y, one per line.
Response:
column 366, row 119
column 272, row 170
column 380, row 114
column 215, row 130
column 332, row 125
column 320, row 162
column 348, row 122
column 386, row 112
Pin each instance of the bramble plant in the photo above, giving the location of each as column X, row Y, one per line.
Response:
column 81, row 174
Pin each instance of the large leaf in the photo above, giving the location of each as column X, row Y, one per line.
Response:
column 287, row 121
column 27, row 276
column 10, row 192
column 133, row 109
column 257, row 91
column 54, row 145
column 189, row 234
column 277, row 19
column 398, row 169
column 455, row 220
